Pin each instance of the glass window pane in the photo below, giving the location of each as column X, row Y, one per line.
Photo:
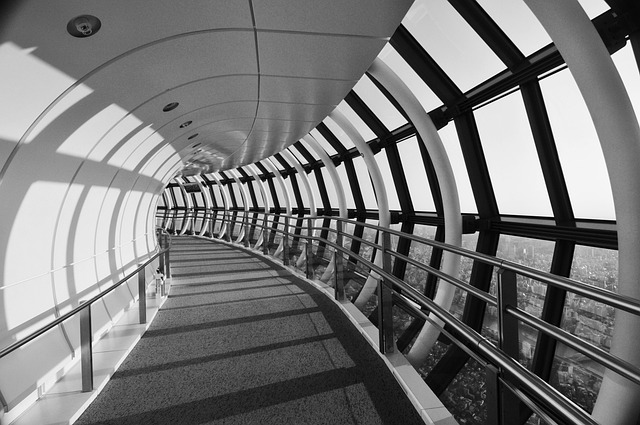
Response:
column 314, row 187
column 594, row 8
column 418, row 87
column 177, row 192
column 625, row 62
column 339, row 133
column 387, row 178
column 256, row 189
column 323, row 142
column 281, row 199
column 292, row 197
column 365, row 183
column 297, row 155
column 379, row 104
column 331, row 190
column 451, row 143
column 415, row 276
column 578, row 147
column 342, row 172
column 519, row 23
column 416, row 175
column 452, row 43
column 512, row 158
column 357, row 122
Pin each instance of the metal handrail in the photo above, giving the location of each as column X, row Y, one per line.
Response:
column 83, row 310
column 529, row 382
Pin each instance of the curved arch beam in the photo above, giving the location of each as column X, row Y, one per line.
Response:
column 207, row 205
column 243, row 193
column 451, row 203
column 225, row 201
column 617, row 127
column 188, row 205
column 384, row 215
column 311, row 200
column 287, row 197
column 335, row 178
column 265, row 199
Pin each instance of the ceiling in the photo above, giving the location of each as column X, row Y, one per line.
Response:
column 250, row 78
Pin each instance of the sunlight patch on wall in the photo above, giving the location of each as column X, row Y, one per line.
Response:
column 113, row 137
column 34, row 86
column 33, row 222
column 120, row 157
column 144, row 149
column 83, row 140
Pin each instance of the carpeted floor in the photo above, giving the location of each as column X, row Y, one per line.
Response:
column 238, row 342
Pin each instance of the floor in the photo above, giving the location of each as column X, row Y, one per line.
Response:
column 241, row 342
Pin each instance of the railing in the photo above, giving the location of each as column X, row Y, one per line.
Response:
column 507, row 379
column 84, row 312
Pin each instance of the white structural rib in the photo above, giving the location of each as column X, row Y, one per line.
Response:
column 451, row 203
column 617, row 128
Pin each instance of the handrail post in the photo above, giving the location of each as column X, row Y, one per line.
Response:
column 86, row 352
column 285, row 241
column 385, row 300
column 508, row 325
column 494, row 413
column 339, row 264
column 309, row 251
column 508, row 338
column 265, row 235
column 247, row 229
column 167, row 264
column 142, row 295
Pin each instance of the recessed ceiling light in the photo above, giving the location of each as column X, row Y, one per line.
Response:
column 185, row 124
column 170, row 106
column 83, row 26
column 196, row 145
column 193, row 136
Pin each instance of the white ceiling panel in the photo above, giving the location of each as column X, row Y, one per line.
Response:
column 316, row 56
column 303, row 90
column 378, row 18
column 247, row 90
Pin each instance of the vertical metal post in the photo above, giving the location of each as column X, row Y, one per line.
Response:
column 167, row 264
column 508, row 325
column 265, row 235
column 86, row 353
column 385, row 300
column 142, row 295
column 161, row 264
column 509, row 339
column 247, row 230
column 285, row 242
column 339, row 264
column 309, row 248
column 494, row 415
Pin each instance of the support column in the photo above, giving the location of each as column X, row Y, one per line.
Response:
column 225, row 200
column 311, row 200
column 451, row 203
column 265, row 201
column 335, row 178
column 617, row 127
column 287, row 200
column 245, row 199
column 384, row 215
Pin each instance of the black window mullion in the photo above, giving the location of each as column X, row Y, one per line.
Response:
column 476, row 166
column 424, row 65
column 332, row 139
column 490, row 32
column 365, row 113
column 547, row 154
column 352, row 175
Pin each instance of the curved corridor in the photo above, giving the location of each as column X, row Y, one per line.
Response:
column 241, row 342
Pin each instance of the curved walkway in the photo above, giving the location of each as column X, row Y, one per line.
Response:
column 240, row 342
